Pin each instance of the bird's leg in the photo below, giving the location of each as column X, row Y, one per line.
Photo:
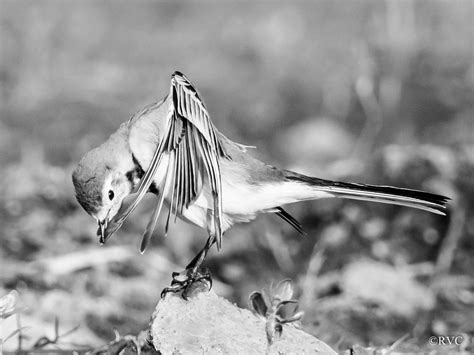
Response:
column 182, row 281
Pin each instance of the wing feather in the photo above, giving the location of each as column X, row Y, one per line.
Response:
column 204, row 148
column 156, row 213
column 194, row 146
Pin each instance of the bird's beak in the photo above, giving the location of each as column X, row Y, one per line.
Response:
column 101, row 230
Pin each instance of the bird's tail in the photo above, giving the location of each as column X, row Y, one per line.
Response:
column 383, row 194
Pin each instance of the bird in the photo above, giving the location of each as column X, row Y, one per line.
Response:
column 172, row 149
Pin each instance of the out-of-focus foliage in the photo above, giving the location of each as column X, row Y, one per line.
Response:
column 367, row 91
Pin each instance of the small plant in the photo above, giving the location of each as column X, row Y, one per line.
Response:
column 277, row 307
column 8, row 308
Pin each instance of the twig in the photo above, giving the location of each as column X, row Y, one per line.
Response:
column 364, row 88
column 449, row 244
column 11, row 335
column 316, row 261
column 117, row 345
column 71, row 262
column 20, row 334
column 43, row 341
column 396, row 343
column 282, row 255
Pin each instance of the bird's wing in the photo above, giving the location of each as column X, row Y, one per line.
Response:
column 194, row 147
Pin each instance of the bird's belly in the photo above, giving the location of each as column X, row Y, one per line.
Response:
column 244, row 200
column 239, row 204
column 201, row 217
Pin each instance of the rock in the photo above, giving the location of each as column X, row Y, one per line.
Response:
column 388, row 286
column 209, row 324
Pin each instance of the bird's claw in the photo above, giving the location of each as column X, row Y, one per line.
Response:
column 189, row 282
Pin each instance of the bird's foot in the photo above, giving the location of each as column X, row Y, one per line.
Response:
column 189, row 282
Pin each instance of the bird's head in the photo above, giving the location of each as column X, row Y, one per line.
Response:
column 100, row 188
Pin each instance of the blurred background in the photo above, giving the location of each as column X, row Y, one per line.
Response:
column 365, row 91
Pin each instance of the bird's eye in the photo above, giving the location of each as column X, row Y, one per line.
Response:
column 111, row 195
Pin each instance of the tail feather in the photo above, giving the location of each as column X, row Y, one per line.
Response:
column 384, row 194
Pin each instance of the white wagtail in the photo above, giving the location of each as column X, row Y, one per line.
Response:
column 172, row 149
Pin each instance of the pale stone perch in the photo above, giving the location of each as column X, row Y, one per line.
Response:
column 209, row 324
